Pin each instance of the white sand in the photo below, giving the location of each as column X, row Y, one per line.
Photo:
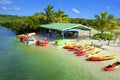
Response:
column 113, row 48
column 93, row 69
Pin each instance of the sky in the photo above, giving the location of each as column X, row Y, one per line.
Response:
column 74, row 8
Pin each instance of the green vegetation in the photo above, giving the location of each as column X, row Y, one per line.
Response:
column 22, row 24
column 103, row 22
column 104, row 36
column 8, row 17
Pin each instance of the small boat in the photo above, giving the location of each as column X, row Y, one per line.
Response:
column 102, row 58
column 73, row 50
column 112, row 66
column 84, row 51
column 94, row 53
column 81, row 54
column 68, row 47
column 72, row 47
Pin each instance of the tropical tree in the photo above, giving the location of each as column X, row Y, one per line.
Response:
column 75, row 20
column 106, row 22
column 48, row 15
column 29, row 24
column 60, row 16
column 83, row 21
column 103, row 22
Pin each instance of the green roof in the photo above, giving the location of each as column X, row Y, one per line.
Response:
column 60, row 26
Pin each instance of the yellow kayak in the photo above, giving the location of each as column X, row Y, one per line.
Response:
column 102, row 58
column 94, row 54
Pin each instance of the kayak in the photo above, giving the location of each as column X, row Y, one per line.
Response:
column 67, row 47
column 112, row 66
column 84, row 51
column 73, row 50
column 81, row 54
column 102, row 58
column 94, row 53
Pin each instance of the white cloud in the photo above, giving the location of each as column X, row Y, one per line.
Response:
column 76, row 11
column 17, row 9
column 4, row 8
column 3, row 2
column 11, row 9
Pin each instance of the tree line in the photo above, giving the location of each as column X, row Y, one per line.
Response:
column 24, row 24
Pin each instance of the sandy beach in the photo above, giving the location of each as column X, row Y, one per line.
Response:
column 113, row 48
column 80, row 62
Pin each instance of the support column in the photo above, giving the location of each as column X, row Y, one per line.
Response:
column 77, row 35
column 62, row 34
column 89, row 34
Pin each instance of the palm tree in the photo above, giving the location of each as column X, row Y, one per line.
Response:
column 48, row 15
column 60, row 16
column 106, row 22
column 103, row 22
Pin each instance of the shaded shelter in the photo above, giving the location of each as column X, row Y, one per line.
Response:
column 65, row 27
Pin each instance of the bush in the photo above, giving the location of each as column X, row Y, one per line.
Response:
column 96, row 36
column 104, row 36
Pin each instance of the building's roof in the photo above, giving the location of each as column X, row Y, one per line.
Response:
column 60, row 26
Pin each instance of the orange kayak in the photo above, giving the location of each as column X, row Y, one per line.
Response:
column 101, row 58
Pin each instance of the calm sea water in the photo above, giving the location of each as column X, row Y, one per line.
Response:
column 19, row 61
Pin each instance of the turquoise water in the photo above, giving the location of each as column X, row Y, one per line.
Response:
column 19, row 61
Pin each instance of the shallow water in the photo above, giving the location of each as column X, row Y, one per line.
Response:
column 19, row 61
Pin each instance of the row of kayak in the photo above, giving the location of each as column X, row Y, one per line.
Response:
column 82, row 50
column 90, row 52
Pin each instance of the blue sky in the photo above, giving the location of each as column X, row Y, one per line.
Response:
column 74, row 8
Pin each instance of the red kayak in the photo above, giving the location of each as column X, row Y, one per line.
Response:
column 78, row 52
column 72, row 50
column 81, row 54
column 112, row 66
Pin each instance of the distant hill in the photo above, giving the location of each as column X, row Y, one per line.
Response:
column 8, row 17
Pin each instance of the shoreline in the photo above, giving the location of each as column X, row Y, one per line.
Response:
column 112, row 48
